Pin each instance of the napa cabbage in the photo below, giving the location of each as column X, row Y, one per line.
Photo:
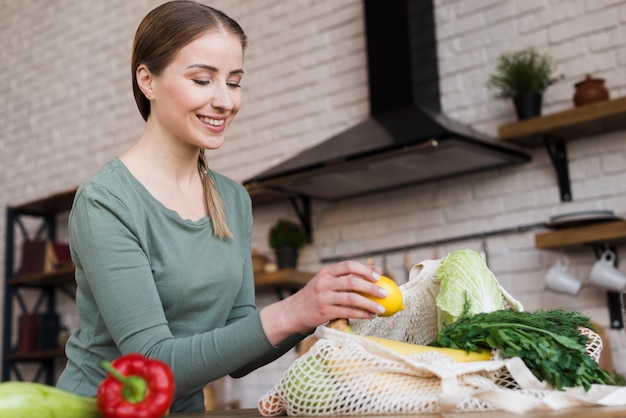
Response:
column 467, row 286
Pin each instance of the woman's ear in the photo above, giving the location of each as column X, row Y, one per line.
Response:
column 144, row 81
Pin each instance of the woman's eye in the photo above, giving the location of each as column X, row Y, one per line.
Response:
column 202, row 82
column 234, row 84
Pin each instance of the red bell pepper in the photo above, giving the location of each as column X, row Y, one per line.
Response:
column 136, row 387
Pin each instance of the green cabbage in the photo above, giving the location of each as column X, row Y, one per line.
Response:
column 467, row 286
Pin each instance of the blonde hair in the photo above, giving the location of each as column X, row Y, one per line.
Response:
column 162, row 33
column 214, row 203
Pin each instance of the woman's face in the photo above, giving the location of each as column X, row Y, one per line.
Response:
column 197, row 96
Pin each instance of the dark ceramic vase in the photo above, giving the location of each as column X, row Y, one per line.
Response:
column 527, row 105
column 590, row 90
column 286, row 257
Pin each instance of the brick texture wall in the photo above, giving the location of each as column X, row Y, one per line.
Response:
column 66, row 107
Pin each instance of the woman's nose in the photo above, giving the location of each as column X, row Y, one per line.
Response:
column 221, row 98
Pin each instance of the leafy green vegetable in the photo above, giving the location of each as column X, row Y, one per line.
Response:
column 619, row 379
column 547, row 341
column 466, row 279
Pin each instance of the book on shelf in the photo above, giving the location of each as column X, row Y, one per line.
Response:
column 38, row 331
column 27, row 333
column 48, row 328
column 43, row 256
column 62, row 256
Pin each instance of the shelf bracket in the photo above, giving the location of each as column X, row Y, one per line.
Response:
column 558, row 155
column 614, row 299
column 302, row 206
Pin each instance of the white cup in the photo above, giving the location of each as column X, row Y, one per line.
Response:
column 558, row 279
column 605, row 275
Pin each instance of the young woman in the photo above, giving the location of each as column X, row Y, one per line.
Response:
column 162, row 244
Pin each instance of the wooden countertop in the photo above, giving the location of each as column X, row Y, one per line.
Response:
column 589, row 412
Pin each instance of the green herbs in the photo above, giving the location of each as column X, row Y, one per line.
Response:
column 286, row 233
column 547, row 341
column 522, row 71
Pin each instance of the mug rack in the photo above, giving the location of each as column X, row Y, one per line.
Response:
column 599, row 236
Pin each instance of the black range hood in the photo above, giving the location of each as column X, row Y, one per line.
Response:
column 406, row 140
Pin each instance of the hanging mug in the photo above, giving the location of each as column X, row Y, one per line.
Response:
column 605, row 275
column 558, row 278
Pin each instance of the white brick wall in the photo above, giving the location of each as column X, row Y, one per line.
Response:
column 67, row 107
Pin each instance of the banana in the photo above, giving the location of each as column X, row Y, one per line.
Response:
column 29, row 399
column 409, row 349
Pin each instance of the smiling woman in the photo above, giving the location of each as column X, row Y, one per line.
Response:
column 162, row 244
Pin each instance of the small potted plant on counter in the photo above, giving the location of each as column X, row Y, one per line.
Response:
column 286, row 238
column 523, row 76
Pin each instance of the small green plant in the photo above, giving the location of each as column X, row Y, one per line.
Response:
column 286, row 233
column 523, row 71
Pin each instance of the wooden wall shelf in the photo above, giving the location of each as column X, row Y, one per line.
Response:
column 575, row 123
column 595, row 234
column 554, row 130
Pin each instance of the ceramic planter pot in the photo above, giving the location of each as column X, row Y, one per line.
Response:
column 286, row 257
column 527, row 105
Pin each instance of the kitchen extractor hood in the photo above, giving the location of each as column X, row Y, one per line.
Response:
column 406, row 140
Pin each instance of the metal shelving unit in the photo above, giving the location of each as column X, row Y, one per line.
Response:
column 46, row 285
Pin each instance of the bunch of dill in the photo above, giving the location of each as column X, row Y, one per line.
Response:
column 547, row 341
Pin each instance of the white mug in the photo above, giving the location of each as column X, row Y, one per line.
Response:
column 558, row 279
column 605, row 275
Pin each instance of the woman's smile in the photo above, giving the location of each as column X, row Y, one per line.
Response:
column 214, row 124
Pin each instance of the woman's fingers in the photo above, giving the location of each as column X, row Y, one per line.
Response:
column 345, row 291
column 349, row 267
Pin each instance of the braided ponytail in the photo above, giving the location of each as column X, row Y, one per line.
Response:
column 214, row 203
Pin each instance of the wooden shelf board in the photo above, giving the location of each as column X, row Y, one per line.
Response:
column 37, row 355
column 261, row 196
column 49, row 205
column 285, row 279
column 59, row 277
column 583, row 235
column 579, row 122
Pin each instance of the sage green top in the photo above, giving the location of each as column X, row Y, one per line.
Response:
column 153, row 283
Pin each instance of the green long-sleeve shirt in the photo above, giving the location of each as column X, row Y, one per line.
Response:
column 153, row 283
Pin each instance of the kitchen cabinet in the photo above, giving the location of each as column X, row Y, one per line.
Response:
column 553, row 131
column 45, row 212
column 598, row 236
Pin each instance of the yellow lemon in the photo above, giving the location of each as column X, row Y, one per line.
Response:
column 393, row 302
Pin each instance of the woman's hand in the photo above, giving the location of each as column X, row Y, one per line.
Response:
column 332, row 293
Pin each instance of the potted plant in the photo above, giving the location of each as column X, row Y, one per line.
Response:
column 523, row 76
column 286, row 238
